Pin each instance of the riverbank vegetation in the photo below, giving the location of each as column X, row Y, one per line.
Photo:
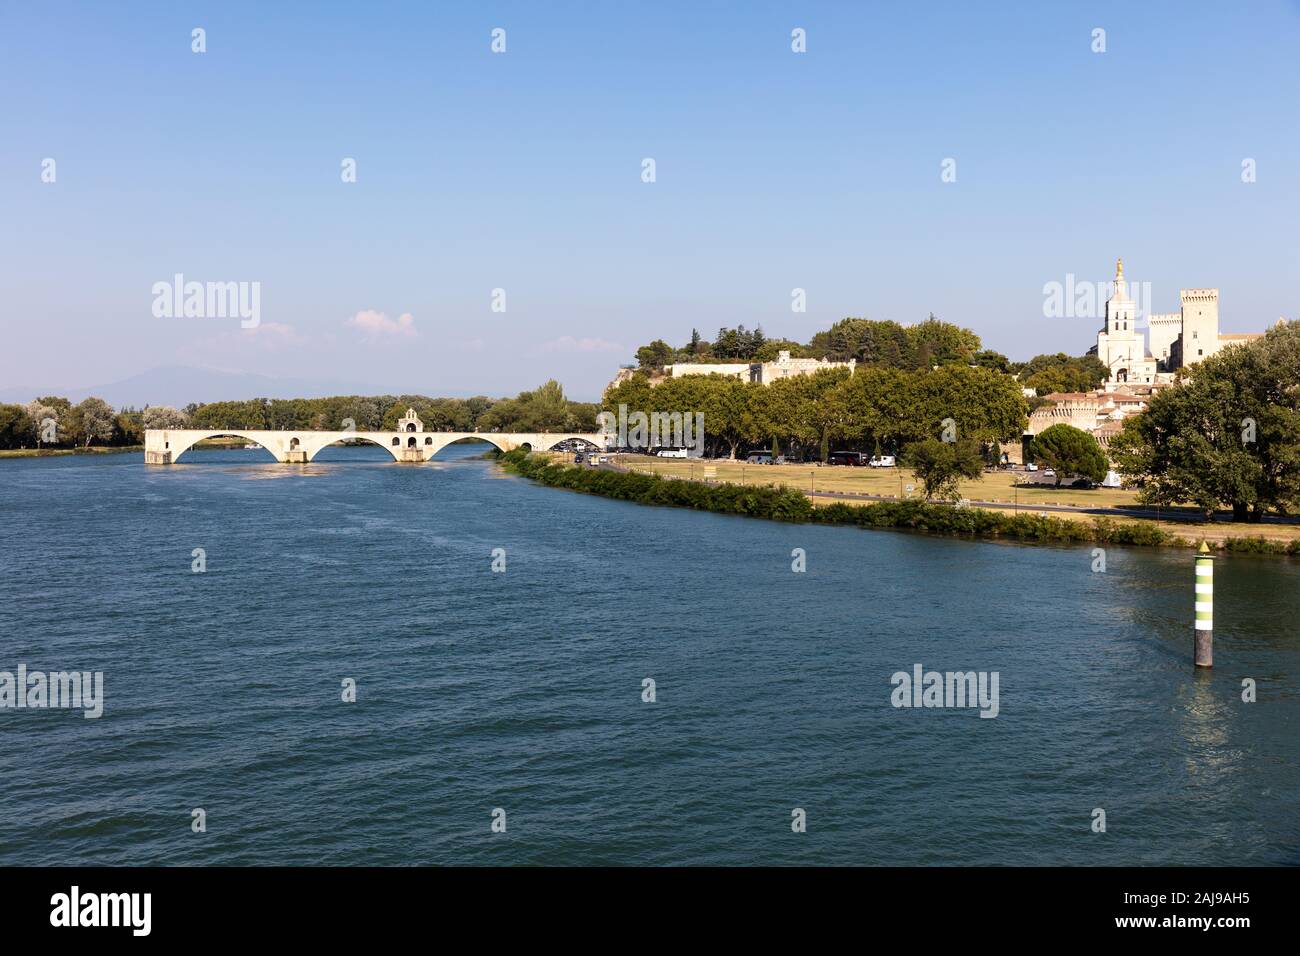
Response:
column 54, row 423
column 56, row 452
column 780, row 503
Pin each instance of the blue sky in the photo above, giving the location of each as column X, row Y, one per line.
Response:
column 522, row 171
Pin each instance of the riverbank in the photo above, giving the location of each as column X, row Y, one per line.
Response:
column 781, row 503
column 56, row 452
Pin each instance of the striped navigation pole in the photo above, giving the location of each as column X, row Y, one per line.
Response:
column 1204, row 607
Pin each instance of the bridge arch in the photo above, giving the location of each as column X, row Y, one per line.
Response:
column 248, row 436
column 392, row 450
column 489, row 438
column 561, row 439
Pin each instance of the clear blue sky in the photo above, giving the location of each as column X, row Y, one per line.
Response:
column 522, row 171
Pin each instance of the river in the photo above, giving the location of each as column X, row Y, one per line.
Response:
column 523, row 690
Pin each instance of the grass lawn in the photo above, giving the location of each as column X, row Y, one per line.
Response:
column 893, row 482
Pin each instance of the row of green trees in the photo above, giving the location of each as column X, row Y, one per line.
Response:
column 874, row 409
column 884, row 344
column 56, row 422
column 544, row 408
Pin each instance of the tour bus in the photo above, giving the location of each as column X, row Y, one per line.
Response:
column 669, row 452
column 855, row 458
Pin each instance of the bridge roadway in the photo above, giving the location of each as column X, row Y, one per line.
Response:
column 163, row 446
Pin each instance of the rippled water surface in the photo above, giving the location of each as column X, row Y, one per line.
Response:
column 522, row 690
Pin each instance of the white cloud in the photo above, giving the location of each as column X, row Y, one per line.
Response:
column 378, row 323
column 567, row 343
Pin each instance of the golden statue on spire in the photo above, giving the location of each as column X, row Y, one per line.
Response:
column 1119, row 268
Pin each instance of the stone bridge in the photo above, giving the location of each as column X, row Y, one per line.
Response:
column 162, row 446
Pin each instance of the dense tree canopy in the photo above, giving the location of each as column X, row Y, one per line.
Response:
column 1061, row 373
column 811, row 415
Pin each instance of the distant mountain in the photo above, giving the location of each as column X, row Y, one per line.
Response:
column 178, row 386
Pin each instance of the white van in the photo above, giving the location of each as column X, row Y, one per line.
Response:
column 882, row 461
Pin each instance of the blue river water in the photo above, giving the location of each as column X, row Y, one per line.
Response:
column 522, row 690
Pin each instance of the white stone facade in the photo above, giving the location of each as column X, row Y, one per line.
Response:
column 1177, row 339
column 764, row 373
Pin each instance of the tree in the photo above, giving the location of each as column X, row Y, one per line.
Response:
column 869, row 342
column 730, row 410
column 15, row 426
column 128, row 428
column 163, row 416
column 770, row 349
column 942, row 343
column 44, row 420
column 1069, row 451
column 987, row 358
column 655, row 355
column 1062, row 373
column 95, row 419
column 983, row 404
column 738, row 344
column 941, row 465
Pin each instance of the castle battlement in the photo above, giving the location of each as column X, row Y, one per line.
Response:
column 1199, row 295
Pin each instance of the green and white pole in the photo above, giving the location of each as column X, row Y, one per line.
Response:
column 1204, row 607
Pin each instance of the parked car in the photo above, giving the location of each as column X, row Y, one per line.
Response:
column 1049, row 472
column 855, row 458
column 1031, row 467
column 882, row 461
column 1083, row 483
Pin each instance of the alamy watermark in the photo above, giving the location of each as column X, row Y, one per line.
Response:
column 75, row 908
column 69, row 690
column 680, row 430
column 1081, row 299
column 923, row 688
column 208, row 300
